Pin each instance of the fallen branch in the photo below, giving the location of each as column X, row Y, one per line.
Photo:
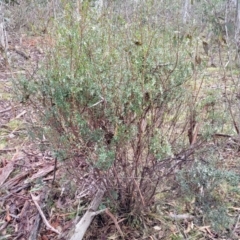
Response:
column 7, row 150
column 4, row 226
column 35, row 199
column 6, row 110
column 14, row 181
column 115, row 222
column 15, row 191
column 34, row 231
column 87, row 218
column 22, row 54
column 42, row 172
column 236, row 225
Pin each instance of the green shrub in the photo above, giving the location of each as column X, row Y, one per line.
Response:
column 116, row 91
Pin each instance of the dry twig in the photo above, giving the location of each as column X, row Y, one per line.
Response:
column 87, row 218
column 115, row 222
column 236, row 225
column 35, row 199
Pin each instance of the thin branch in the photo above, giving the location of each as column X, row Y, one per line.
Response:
column 115, row 222
column 6, row 110
column 82, row 226
column 235, row 227
column 35, row 199
column 95, row 104
column 143, row 202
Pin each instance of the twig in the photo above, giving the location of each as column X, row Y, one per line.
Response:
column 22, row 54
column 99, row 212
column 95, row 104
column 35, row 228
column 21, row 114
column 82, row 226
column 7, row 150
column 5, row 224
column 115, row 222
column 42, row 215
column 235, row 227
column 54, row 170
column 6, row 110
column 143, row 202
column 15, row 191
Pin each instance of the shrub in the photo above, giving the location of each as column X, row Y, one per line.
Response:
column 114, row 91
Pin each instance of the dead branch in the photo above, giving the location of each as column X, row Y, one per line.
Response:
column 35, row 199
column 115, row 222
column 35, row 229
column 236, row 225
column 87, row 218
column 7, row 150
column 15, row 191
column 42, row 172
column 6, row 110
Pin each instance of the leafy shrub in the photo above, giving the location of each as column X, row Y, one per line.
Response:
column 115, row 91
